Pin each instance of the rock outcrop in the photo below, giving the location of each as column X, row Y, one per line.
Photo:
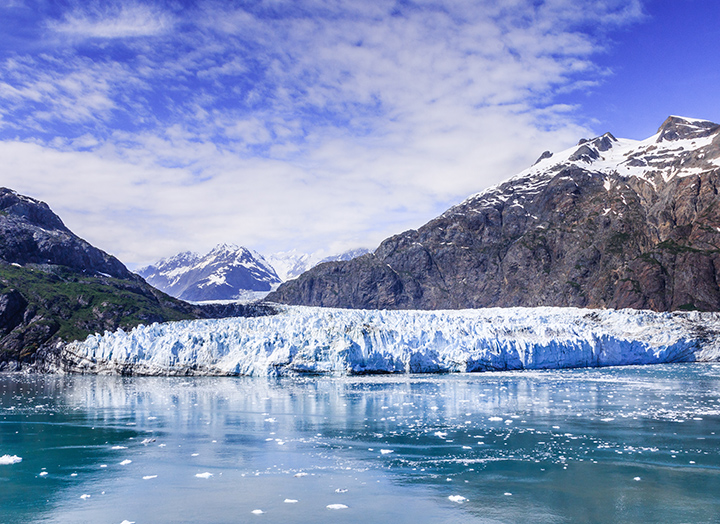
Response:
column 608, row 224
column 56, row 288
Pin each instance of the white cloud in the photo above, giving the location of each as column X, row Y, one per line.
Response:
column 326, row 124
column 113, row 20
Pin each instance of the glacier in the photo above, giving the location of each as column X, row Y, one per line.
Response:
column 303, row 339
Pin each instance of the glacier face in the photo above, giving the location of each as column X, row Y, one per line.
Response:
column 324, row 340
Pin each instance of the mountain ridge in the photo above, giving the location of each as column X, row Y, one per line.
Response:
column 221, row 274
column 55, row 288
column 608, row 223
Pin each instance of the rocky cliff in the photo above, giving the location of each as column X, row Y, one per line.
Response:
column 56, row 287
column 608, row 223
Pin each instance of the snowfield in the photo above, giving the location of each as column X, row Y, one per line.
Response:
column 324, row 340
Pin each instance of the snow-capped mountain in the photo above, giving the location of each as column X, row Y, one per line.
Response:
column 225, row 273
column 326, row 340
column 291, row 264
column 608, row 223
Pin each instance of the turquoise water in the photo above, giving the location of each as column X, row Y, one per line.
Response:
column 635, row 444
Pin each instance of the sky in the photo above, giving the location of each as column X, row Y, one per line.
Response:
column 154, row 127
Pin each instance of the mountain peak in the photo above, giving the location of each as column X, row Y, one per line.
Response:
column 679, row 128
column 30, row 233
column 225, row 273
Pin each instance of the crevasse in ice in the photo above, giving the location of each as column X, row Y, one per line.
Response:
column 325, row 340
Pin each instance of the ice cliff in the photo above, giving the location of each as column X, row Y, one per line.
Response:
column 325, row 340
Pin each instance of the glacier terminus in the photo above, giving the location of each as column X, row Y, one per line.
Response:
column 315, row 340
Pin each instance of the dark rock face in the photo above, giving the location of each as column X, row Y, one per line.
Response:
column 30, row 233
column 55, row 288
column 610, row 224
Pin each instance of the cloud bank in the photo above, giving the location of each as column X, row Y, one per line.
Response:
column 308, row 124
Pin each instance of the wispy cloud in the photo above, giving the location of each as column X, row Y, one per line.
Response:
column 291, row 123
column 112, row 20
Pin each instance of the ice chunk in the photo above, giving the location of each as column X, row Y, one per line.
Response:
column 126, row 462
column 336, row 506
column 205, row 475
column 457, row 498
column 6, row 460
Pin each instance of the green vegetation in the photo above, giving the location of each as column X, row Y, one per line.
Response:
column 675, row 248
column 73, row 304
column 617, row 242
column 688, row 307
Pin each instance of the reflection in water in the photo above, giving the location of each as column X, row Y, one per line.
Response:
column 600, row 445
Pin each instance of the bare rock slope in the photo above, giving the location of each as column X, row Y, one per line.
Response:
column 609, row 223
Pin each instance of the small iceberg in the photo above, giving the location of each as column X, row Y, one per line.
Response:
column 7, row 460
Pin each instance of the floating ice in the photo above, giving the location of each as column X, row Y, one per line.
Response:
column 386, row 451
column 43, row 473
column 336, row 506
column 457, row 498
column 317, row 340
column 128, row 522
column 119, row 447
column 148, row 477
column 257, row 512
column 637, row 479
column 290, row 501
column 301, row 474
column 126, row 462
column 341, row 490
column 84, row 496
column 205, row 475
column 6, row 460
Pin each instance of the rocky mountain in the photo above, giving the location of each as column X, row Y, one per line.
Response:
column 223, row 274
column 55, row 287
column 291, row 264
column 608, row 223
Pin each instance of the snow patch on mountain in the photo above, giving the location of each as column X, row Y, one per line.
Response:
column 226, row 272
column 325, row 340
column 681, row 147
column 291, row 264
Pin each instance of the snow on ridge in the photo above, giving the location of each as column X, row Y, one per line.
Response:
column 617, row 156
column 325, row 340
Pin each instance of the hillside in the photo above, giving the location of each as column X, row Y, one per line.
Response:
column 56, row 287
column 607, row 224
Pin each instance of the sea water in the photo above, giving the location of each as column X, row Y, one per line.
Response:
column 634, row 444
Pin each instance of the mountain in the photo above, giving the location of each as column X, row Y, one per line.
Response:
column 55, row 288
column 609, row 223
column 222, row 274
column 291, row 264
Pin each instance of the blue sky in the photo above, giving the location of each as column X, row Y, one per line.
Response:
column 156, row 127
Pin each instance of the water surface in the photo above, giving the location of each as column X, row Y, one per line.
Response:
column 636, row 444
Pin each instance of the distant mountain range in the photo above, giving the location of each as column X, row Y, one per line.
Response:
column 222, row 274
column 231, row 272
column 608, row 223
